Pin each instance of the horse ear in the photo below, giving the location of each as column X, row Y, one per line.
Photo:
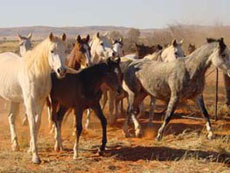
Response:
column 19, row 36
column 109, row 61
column 98, row 35
column 222, row 45
column 181, row 42
column 88, row 38
column 79, row 39
column 63, row 37
column 51, row 36
column 159, row 47
column 29, row 36
column 174, row 43
column 105, row 34
column 117, row 60
column 120, row 40
column 113, row 41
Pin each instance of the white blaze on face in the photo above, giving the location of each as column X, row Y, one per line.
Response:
column 117, row 47
column 116, row 71
column 87, row 54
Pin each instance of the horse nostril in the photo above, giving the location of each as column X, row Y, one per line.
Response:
column 58, row 70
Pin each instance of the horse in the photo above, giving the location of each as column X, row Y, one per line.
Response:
column 82, row 91
column 143, row 50
column 173, row 49
column 191, row 48
column 24, row 43
column 80, row 56
column 101, row 48
column 27, row 80
column 117, row 46
column 173, row 81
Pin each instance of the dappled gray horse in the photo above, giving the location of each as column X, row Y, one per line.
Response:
column 173, row 81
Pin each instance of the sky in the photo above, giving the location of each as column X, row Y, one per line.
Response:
column 128, row 13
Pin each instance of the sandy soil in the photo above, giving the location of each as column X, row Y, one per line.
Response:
column 184, row 147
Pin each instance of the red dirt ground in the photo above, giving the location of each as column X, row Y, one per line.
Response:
column 184, row 147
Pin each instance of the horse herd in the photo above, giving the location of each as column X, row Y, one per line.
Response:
column 95, row 67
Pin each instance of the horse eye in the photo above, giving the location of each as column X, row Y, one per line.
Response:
column 52, row 51
column 176, row 53
column 102, row 44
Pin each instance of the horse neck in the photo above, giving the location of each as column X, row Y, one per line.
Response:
column 73, row 60
column 198, row 62
column 37, row 60
column 97, row 76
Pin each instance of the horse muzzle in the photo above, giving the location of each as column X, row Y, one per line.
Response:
column 61, row 72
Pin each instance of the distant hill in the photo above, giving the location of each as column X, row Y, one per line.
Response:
column 42, row 31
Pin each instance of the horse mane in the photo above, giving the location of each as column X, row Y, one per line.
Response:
column 36, row 59
column 203, row 50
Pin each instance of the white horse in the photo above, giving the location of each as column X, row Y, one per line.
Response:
column 172, row 52
column 27, row 80
column 101, row 48
column 118, row 47
column 24, row 43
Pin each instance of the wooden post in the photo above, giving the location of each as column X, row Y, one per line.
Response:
column 216, row 98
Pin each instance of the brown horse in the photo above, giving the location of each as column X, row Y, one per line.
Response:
column 191, row 48
column 82, row 91
column 143, row 50
column 80, row 56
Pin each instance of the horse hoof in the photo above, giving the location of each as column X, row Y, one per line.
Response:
column 138, row 133
column 15, row 148
column 75, row 157
column 58, row 148
column 29, row 150
column 36, row 160
column 158, row 138
column 101, row 152
column 210, row 136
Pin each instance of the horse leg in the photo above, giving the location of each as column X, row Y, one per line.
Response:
column 135, row 111
column 128, row 116
column 78, row 130
column 104, row 98
column 25, row 120
column 14, row 110
column 98, row 111
column 89, row 111
column 37, row 121
column 142, row 109
column 30, row 110
column 170, row 110
column 227, row 89
column 151, row 111
column 111, row 106
column 57, row 118
column 200, row 103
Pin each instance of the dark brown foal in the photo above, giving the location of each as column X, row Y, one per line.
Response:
column 82, row 91
column 143, row 50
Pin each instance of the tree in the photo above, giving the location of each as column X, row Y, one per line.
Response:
column 133, row 34
column 115, row 35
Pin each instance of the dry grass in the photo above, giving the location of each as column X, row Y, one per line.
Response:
column 184, row 147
